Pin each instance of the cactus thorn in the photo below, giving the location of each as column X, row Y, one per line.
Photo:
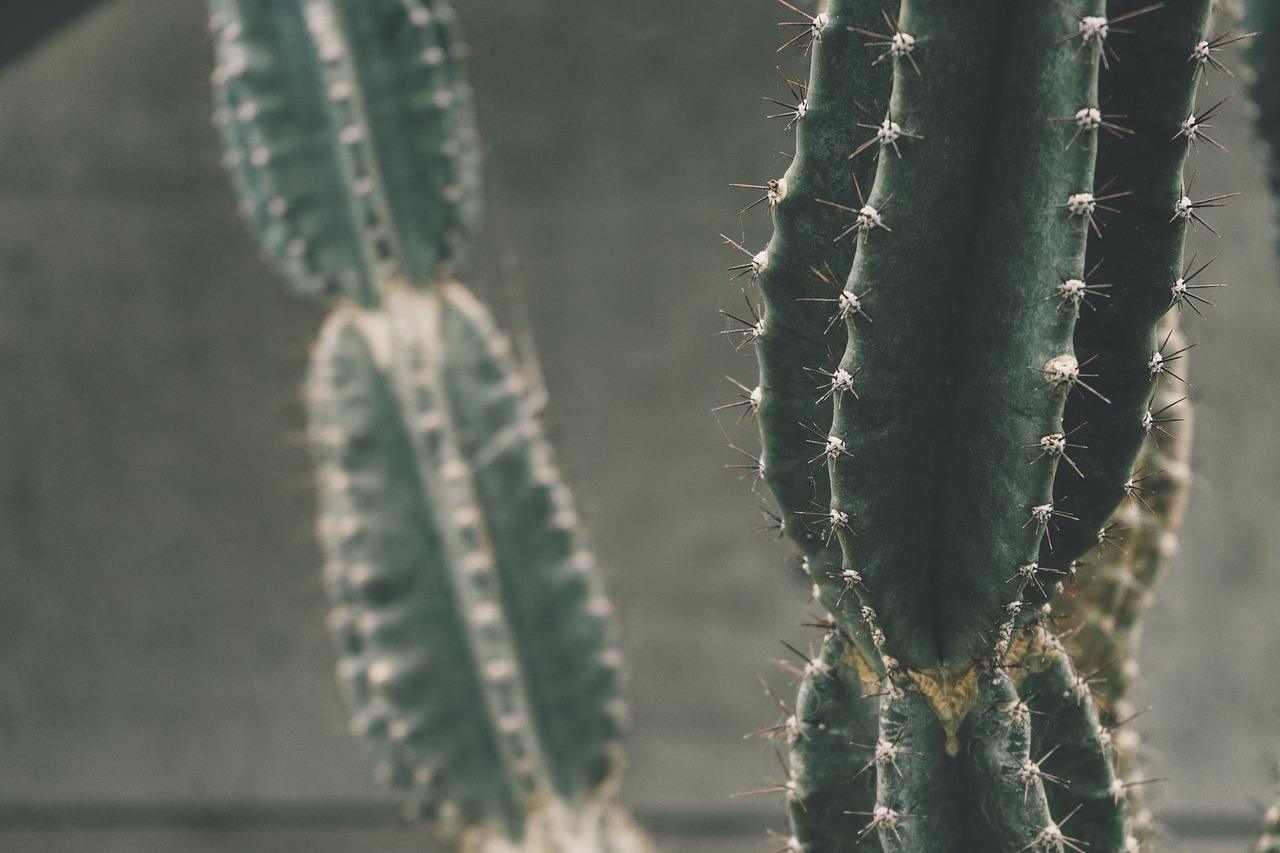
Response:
column 899, row 45
column 792, row 112
column 847, row 302
column 749, row 400
column 1188, row 209
column 774, row 192
column 1203, row 54
column 813, row 27
column 1182, row 287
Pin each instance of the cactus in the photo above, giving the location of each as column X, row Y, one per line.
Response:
column 1014, row 209
column 475, row 642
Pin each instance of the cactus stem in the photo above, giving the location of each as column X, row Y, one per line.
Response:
column 751, row 329
column 1187, row 209
column 759, row 260
column 1054, row 446
column 867, row 217
column 839, row 381
column 774, row 192
column 1076, row 291
column 1159, row 363
column 1203, row 55
column 847, row 302
column 1096, row 29
column 749, row 400
column 1064, row 371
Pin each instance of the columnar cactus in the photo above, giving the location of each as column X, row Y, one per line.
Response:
column 985, row 215
column 476, row 646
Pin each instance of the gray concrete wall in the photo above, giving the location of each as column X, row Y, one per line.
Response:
column 161, row 640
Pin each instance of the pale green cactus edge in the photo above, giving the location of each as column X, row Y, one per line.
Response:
column 476, row 645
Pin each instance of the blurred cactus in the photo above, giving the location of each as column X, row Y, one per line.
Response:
column 476, row 646
column 986, row 217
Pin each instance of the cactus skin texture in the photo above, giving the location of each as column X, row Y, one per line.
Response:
column 475, row 641
column 1013, row 250
column 350, row 137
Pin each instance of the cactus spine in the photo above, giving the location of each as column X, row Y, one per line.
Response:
column 1021, row 206
column 475, row 642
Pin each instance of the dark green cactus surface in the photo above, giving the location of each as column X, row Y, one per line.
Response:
column 999, row 233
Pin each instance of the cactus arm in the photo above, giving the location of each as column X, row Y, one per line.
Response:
column 408, row 660
column 834, row 753
column 1067, row 728
column 922, row 788
column 798, row 305
column 414, row 104
column 907, row 427
column 1140, row 254
column 278, row 137
column 317, row 117
column 1004, row 801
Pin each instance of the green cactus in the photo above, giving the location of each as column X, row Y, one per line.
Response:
column 475, row 642
column 1011, row 258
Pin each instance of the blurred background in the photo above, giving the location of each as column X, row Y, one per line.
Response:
column 165, row 679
